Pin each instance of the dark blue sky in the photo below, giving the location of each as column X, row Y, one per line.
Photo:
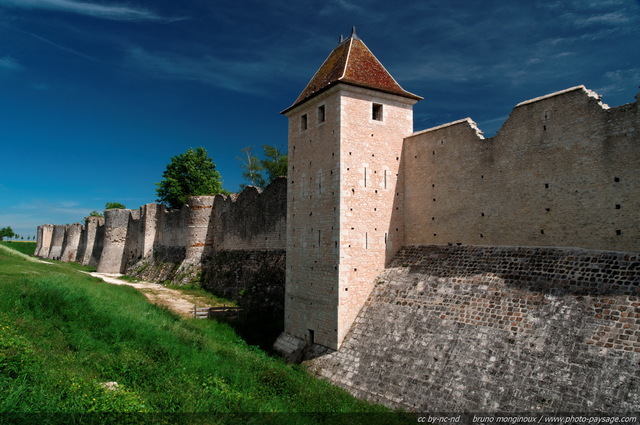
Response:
column 96, row 96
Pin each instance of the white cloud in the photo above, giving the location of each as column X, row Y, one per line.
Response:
column 244, row 76
column 103, row 11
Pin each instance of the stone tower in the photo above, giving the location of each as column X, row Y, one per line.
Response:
column 344, row 204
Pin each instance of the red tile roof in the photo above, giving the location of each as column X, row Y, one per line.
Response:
column 351, row 62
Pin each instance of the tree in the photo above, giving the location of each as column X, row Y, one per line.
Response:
column 6, row 232
column 275, row 164
column 95, row 213
column 192, row 173
column 251, row 168
column 114, row 206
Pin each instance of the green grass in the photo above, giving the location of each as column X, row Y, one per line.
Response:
column 64, row 334
column 21, row 246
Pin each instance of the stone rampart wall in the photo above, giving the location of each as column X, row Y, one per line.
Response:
column 451, row 329
column 57, row 241
column 71, row 242
column 154, row 242
column 562, row 171
column 252, row 220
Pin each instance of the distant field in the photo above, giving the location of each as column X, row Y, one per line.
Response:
column 66, row 339
column 26, row 247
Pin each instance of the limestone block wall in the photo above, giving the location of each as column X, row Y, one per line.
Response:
column 43, row 244
column 252, row 220
column 311, row 298
column 57, row 240
column 179, row 245
column 199, row 239
column 116, row 224
column 562, row 171
column 485, row 329
column 36, row 252
column 133, row 244
column 149, row 222
column 71, row 242
column 91, row 241
column 171, row 230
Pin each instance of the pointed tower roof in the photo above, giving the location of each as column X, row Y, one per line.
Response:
column 351, row 62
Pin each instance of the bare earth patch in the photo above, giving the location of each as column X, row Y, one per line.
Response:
column 156, row 293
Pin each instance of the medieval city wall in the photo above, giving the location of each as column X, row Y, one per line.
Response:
column 485, row 329
column 43, row 244
column 247, row 255
column 91, row 241
column 562, row 171
column 71, row 242
column 57, row 240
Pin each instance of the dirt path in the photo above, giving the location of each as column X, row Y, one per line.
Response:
column 158, row 294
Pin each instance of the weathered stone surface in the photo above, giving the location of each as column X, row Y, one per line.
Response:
column 57, row 240
column 254, row 278
column 71, row 242
column 91, row 241
column 116, row 224
column 476, row 328
column 561, row 171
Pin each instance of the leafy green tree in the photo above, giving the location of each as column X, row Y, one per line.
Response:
column 192, row 173
column 114, row 206
column 6, row 232
column 274, row 164
column 95, row 213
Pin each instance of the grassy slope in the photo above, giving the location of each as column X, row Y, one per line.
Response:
column 22, row 246
column 63, row 334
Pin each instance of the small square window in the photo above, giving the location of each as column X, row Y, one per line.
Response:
column 376, row 112
column 303, row 122
column 321, row 113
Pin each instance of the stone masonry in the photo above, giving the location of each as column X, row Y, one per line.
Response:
column 485, row 329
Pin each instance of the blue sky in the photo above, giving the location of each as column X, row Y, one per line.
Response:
column 96, row 96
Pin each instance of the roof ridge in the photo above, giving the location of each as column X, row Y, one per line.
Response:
column 346, row 62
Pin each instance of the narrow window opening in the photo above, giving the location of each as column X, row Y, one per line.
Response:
column 312, row 336
column 376, row 112
column 385, row 179
column 617, row 206
column 303, row 122
column 616, row 179
column 365, row 177
column 544, row 127
column 541, row 231
column 618, row 232
column 546, row 185
column 366, row 240
column 318, row 238
column 385, row 238
column 321, row 113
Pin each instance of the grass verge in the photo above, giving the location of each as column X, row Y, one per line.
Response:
column 70, row 343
